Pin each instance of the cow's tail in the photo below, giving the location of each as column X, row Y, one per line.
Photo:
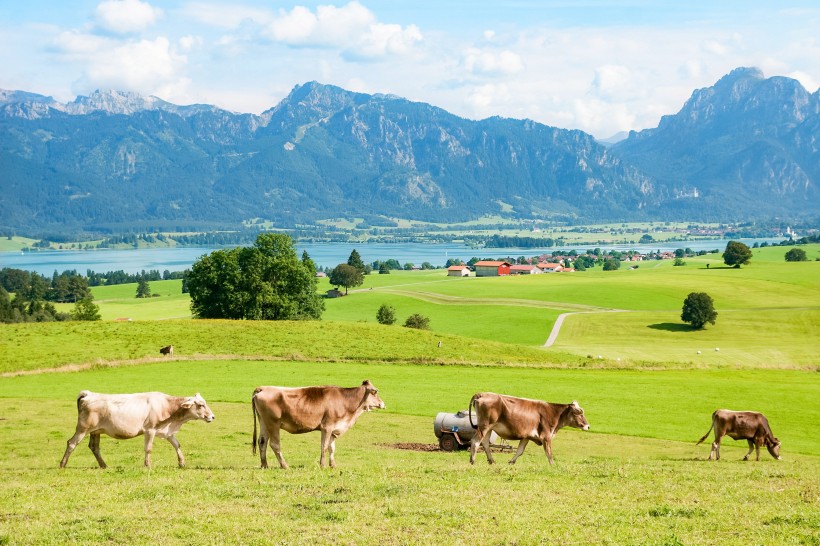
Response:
column 253, row 405
column 470, row 409
column 708, row 431
column 80, row 398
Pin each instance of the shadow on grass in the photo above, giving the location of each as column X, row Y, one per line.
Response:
column 671, row 327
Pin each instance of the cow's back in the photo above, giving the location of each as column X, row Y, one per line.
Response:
column 122, row 415
column 511, row 417
column 298, row 409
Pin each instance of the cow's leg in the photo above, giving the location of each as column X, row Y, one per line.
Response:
column 548, row 448
column 149, row 445
column 327, row 438
column 71, row 444
column 474, row 445
column 94, row 446
column 715, row 448
column 332, row 452
column 180, row 456
column 520, row 451
column 485, row 442
column 751, row 448
column 758, row 442
column 276, row 446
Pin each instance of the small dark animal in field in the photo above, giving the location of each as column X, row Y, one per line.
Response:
column 742, row 425
column 167, row 350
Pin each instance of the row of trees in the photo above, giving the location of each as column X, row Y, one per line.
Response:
column 35, row 295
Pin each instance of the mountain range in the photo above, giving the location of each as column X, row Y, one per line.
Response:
column 743, row 149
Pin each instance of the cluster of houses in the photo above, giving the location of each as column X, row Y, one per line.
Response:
column 492, row 268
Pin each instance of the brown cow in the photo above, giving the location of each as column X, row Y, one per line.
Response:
column 124, row 416
column 520, row 419
column 167, row 350
column 331, row 410
column 742, row 425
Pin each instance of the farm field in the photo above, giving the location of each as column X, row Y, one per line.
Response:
column 636, row 477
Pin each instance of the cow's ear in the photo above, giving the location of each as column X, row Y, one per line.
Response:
column 575, row 403
column 188, row 402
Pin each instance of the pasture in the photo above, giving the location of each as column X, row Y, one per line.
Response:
column 636, row 477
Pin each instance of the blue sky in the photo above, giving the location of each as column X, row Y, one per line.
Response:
column 602, row 66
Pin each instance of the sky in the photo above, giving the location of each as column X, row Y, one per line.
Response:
column 602, row 66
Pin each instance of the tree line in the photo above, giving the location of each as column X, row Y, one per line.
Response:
column 35, row 296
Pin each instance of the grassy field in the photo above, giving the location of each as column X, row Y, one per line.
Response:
column 636, row 477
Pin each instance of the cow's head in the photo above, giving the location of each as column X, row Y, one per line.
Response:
column 198, row 408
column 371, row 397
column 576, row 416
column 773, row 445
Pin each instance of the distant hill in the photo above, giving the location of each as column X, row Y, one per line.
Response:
column 116, row 161
column 748, row 147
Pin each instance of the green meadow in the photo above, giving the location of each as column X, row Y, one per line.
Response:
column 636, row 477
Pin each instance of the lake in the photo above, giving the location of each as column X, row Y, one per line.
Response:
column 324, row 254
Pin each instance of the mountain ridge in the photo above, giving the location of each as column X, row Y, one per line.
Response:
column 117, row 161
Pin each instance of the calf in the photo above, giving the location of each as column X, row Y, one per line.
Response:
column 520, row 419
column 742, row 425
column 124, row 416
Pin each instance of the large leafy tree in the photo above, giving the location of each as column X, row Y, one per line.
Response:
column 698, row 309
column 736, row 254
column 346, row 275
column 264, row 282
column 796, row 255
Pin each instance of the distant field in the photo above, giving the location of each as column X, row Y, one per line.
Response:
column 768, row 312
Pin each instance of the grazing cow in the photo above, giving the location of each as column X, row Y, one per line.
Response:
column 331, row 410
column 167, row 350
column 520, row 419
column 124, row 416
column 742, row 425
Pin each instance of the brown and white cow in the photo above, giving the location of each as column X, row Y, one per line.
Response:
column 167, row 350
column 331, row 410
column 124, row 416
column 742, row 425
column 521, row 419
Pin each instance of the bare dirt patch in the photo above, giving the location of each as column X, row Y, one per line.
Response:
column 412, row 446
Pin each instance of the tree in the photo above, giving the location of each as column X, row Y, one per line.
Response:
column 143, row 289
column 736, row 254
column 386, row 314
column 86, row 309
column 384, row 269
column 796, row 255
column 264, row 282
column 612, row 264
column 679, row 262
column 698, row 309
column 347, row 276
column 356, row 261
column 420, row 322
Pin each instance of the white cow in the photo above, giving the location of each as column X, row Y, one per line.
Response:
column 124, row 416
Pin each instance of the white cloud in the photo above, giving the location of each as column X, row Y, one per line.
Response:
column 352, row 28
column 144, row 66
column 492, row 63
column 126, row 16
column 225, row 16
